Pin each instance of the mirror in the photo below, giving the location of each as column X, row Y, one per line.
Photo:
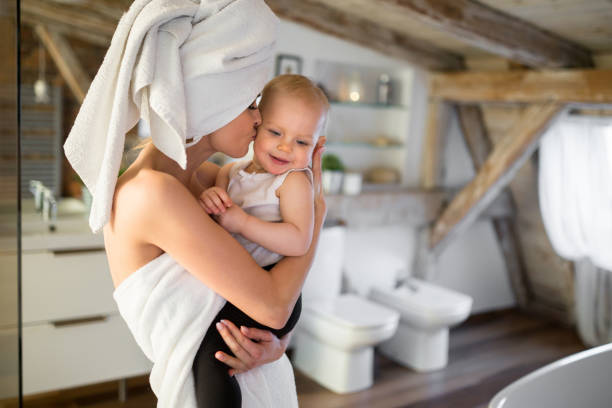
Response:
column 68, row 309
column 9, row 205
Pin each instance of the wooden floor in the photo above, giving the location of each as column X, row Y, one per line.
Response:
column 487, row 352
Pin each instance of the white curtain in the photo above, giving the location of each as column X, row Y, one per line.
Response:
column 575, row 191
column 593, row 293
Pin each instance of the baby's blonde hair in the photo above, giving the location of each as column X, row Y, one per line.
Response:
column 296, row 86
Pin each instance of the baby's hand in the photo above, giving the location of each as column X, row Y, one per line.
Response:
column 215, row 200
column 233, row 219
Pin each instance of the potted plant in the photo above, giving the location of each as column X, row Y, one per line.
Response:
column 332, row 172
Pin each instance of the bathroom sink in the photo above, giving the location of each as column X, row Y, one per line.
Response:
column 65, row 207
column 31, row 226
column 69, row 230
column 71, row 217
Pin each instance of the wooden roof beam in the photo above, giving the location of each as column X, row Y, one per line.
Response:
column 583, row 86
column 81, row 23
column 66, row 61
column 495, row 32
column 496, row 172
column 68, row 31
column 479, row 145
column 436, row 132
column 365, row 33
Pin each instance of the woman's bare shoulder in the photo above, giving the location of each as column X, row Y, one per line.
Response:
column 129, row 236
column 141, row 184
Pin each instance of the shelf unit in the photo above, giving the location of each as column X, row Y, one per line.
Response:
column 368, row 105
column 366, row 133
column 362, row 145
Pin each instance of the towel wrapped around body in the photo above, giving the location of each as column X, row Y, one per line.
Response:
column 168, row 310
column 187, row 68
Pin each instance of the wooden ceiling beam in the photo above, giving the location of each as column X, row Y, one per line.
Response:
column 496, row 172
column 366, row 33
column 583, row 86
column 66, row 61
column 109, row 9
column 70, row 20
column 67, row 30
column 494, row 31
column 480, row 146
column 436, row 133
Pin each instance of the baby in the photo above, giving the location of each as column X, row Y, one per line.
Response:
column 267, row 204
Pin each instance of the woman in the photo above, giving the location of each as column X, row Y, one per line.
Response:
column 192, row 70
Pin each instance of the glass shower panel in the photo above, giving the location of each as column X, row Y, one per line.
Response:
column 9, row 208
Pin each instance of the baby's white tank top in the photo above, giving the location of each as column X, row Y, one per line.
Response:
column 255, row 193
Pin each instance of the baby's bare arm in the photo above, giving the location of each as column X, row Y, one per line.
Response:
column 215, row 199
column 203, row 178
column 222, row 180
column 293, row 235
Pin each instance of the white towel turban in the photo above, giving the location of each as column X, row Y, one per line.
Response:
column 187, row 67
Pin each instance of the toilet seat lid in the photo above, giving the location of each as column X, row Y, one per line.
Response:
column 423, row 298
column 354, row 312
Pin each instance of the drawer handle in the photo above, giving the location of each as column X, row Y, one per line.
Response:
column 75, row 322
column 64, row 252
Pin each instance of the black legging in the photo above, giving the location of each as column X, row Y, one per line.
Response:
column 213, row 385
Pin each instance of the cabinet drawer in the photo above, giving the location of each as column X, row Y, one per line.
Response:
column 63, row 286
column 9, row 364
column 56, row 357
column 8, row 289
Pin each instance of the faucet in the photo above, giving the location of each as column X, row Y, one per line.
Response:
column 405, row 280
column 45, row 202
column 49, row 207
column 37, row 188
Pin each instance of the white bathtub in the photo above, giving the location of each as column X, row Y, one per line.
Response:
column 582, row 380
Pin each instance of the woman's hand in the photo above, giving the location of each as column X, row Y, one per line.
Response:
column 252, row 347
column 319, row 198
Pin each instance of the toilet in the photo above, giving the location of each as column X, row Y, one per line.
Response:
column 376, row 267
column 427, row 312
column 335, row 337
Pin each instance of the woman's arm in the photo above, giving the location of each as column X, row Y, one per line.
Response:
column 169, row 217
column 292, row 236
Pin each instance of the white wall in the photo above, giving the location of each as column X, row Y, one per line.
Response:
column 473, row 264
column 316, row 48
column 311, row 45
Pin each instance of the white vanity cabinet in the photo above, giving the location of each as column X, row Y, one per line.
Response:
column 73, row 334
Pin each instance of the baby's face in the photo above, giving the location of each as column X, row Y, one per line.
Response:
column 288, row 133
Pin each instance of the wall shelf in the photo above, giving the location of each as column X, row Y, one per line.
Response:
column 368, row 105
column 366, row 134
column 363, row 145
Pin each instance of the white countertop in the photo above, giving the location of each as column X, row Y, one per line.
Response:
column 62, row 241
column 369, row 208
column 71, row 231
